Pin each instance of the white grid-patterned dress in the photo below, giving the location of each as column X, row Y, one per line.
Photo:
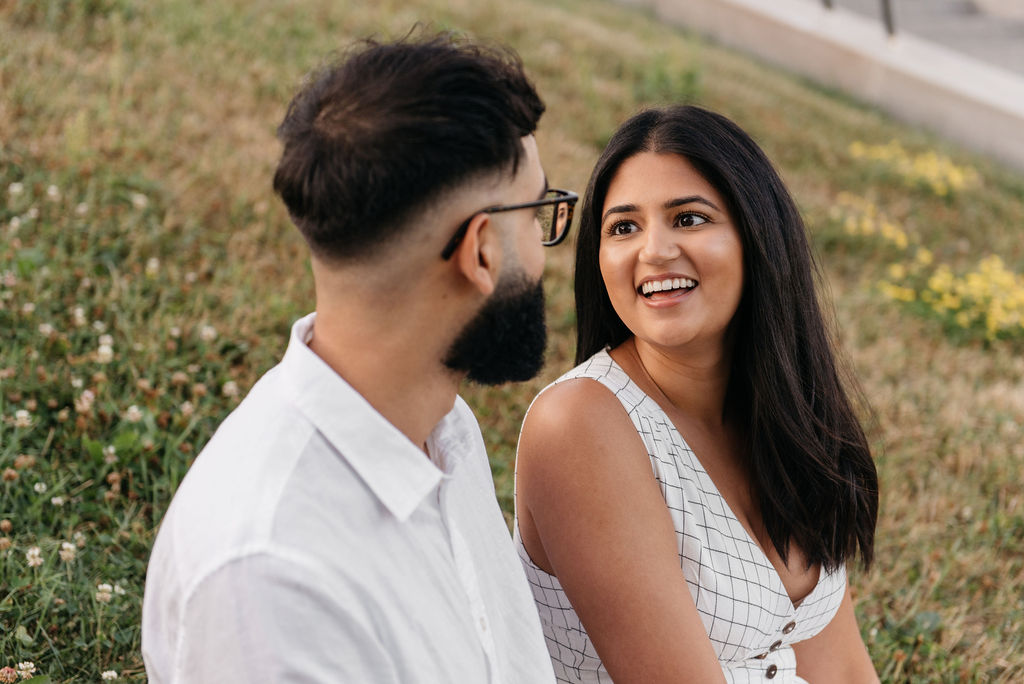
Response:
column 748, row 615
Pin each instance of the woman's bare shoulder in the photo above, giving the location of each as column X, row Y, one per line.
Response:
column 577, row 408
column 579, row 423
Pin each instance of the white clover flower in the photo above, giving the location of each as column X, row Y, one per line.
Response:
column 14, row 224
column 133, row 414
column 152, row 266
column 78, row 316
column 174, row 332
column 9, row 279
column 67, row 551
column 107, row 340
column 33, row 213
column 193, row 368
column 39, row 487
column 46, row 329
column 104, row 592
column 79, row 539
column 53, row 193
column 34, row 557
column 82, row 209
column 108, row 675
column 119, row 590
column 109, row 454
column 105, row 353
column 207, row 333
column 26, row 669
column 139, row 201
column 28, row 307
column 57, row 501
column 230, row 389
column 85, row 282
column 22, row 418
column 99, row 326
column 191, row 277
column 187, row 409
column 84, row 402
column 77, row 383
column 16, row 189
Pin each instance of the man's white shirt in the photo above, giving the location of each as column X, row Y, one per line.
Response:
column 312, row 541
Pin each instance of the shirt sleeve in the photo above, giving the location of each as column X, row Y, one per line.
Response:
column 262, row 618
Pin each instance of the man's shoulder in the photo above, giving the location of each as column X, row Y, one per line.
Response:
column 229, row 495
column 263, row 435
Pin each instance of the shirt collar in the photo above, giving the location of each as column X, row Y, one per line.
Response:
column 395, row 469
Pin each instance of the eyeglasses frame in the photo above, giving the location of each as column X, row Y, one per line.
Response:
column 568, row 197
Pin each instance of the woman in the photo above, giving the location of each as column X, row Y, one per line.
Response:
column 703, row 357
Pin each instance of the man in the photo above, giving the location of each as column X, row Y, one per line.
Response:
column 341, row 525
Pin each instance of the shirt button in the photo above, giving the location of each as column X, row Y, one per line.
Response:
column 775, row 646
column 789, row 628
column 770, row 672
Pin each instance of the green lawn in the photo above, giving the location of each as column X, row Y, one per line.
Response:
column 148, row 276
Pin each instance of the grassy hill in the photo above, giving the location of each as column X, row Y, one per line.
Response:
column 148, row 277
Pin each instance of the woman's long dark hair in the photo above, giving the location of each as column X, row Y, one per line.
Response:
column 807, row 454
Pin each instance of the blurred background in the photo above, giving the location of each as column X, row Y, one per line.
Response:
column 148, row 275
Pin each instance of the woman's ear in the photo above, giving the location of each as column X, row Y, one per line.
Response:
column 478, row 256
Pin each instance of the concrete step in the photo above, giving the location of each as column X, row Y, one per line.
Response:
column 962, row 25
column 929, row 81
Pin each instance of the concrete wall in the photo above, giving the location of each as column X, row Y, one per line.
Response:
column 956, row 96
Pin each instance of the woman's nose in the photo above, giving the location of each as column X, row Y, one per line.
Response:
column 660, row 245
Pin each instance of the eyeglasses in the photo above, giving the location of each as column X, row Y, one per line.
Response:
column 554, row 214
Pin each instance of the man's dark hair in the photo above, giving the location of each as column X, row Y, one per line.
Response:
column 807, row 453
column 376, row 135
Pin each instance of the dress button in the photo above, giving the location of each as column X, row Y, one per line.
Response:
column 789, row 628
column 770, row 672
column 775, row 646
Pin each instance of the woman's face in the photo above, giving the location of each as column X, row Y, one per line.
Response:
column 670, row 256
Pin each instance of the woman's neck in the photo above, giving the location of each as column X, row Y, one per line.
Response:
column 694, row 383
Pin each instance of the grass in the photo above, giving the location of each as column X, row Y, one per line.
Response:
column 153, row 122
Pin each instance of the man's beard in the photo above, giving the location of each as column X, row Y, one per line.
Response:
column 505, row 341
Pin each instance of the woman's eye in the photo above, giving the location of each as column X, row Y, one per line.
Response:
column 689, row 220
column 622, row 228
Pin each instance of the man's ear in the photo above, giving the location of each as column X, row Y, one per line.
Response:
column 478, row 256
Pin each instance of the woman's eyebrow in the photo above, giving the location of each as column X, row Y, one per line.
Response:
column 618, row 209
column 689, row 200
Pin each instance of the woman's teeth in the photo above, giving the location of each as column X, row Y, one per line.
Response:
column 652, row 286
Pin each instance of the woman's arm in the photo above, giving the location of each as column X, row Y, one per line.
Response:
column 591, row 513
column 837, row 653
